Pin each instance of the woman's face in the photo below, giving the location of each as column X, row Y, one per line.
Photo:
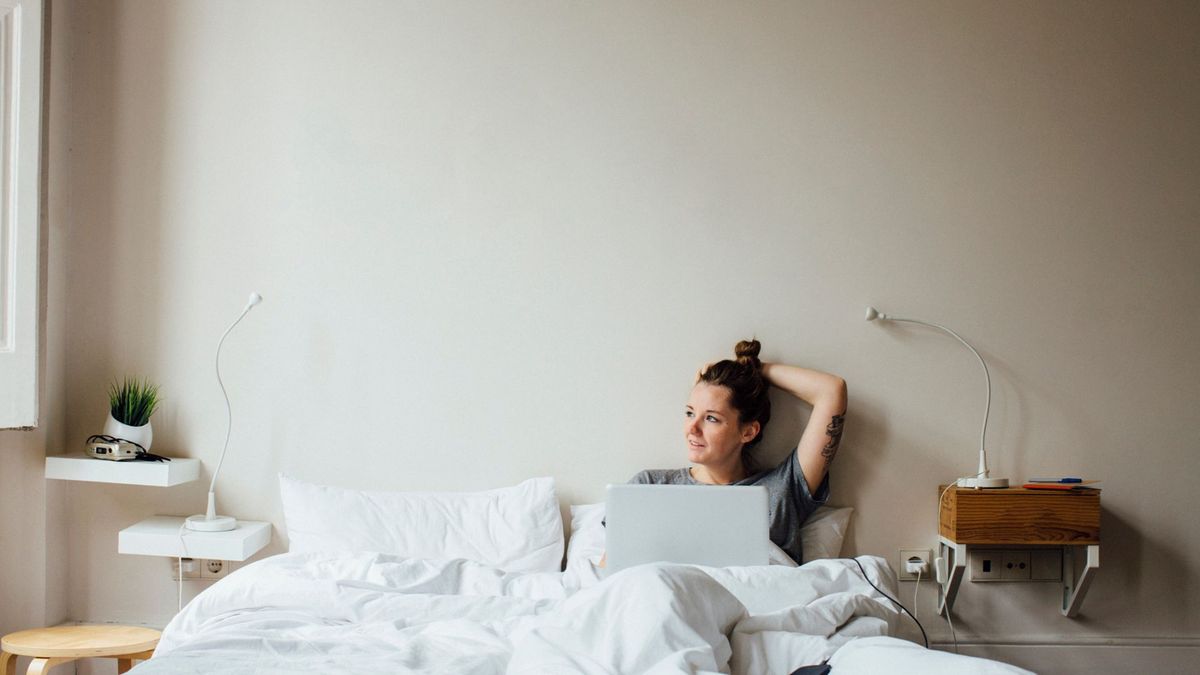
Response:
column 711, row 428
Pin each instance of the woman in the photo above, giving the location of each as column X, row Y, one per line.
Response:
column 726, row 414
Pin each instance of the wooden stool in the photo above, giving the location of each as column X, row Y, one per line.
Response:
column 63, row 644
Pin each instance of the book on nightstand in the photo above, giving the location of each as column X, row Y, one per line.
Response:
column 1060, row 484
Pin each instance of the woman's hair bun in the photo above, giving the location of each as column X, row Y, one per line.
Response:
column 747, row 385
column 747, row 351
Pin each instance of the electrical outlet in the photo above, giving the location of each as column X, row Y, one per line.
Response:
column 906, row 554
column 215, row 569
column 1015, row 566
column 986, row 564
column 1045, row 564
column 191, row 569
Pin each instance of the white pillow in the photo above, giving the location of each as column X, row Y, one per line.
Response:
column 587, row 533
column 585, row 547
column 518, row 529
column 821, row 535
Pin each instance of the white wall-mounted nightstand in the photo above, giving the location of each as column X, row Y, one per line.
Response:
column 160, row 535
column 131, row 472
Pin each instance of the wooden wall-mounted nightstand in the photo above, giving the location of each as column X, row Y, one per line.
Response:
column 1019, row 517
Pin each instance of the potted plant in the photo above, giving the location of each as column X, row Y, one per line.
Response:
column 131, row 402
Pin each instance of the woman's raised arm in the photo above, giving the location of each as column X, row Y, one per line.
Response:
column 827, row 395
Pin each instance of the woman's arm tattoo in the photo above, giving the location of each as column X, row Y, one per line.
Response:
column 834, row 431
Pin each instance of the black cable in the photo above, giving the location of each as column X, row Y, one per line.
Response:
column 142, row 453
column 864, row 574
column 113, row 439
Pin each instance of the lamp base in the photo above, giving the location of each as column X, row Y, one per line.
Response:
column 202, row 523
column 986, row 483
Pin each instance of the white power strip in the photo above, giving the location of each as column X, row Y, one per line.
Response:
column 117, row 450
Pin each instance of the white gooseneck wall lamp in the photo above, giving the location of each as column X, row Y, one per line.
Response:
column 983, row 478
column 210, row 521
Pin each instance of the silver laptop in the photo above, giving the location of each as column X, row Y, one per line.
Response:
column 713, row 525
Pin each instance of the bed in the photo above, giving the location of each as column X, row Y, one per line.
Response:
column 474, row 583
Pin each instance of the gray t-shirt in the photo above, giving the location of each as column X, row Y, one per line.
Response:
column 789, row 500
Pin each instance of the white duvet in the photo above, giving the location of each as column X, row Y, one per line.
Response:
column 373, row 613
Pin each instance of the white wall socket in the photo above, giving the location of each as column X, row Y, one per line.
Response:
column 195, row 568
column 1015, row 566
column 191, row 568
column 924, row 554
column 215, row 569
column 1038, row 564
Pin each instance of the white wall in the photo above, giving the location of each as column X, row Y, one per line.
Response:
column 496, row 240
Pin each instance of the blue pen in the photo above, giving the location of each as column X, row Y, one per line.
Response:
column 1070, row 480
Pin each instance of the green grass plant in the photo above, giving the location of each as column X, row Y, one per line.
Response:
column 132, row 401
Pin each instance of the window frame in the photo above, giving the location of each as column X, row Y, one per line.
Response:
column 21, row 65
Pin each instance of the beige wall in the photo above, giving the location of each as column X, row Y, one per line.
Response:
column 495, row 240
column 23, row 531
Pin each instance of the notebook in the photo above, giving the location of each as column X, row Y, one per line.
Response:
column 712, row 525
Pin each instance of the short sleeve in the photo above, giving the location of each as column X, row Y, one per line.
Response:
column 807, row 500
column 641, row 478
column 662, row 477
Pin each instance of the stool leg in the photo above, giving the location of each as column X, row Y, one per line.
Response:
column 42, row 666
column 125, row 661
column 8, row 664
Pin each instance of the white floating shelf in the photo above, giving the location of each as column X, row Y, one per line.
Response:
column 129, row 472
column 160, row 535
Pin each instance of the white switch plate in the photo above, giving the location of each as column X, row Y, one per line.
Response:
column 1022, row 564
column 986, row 564
column 1045, row 564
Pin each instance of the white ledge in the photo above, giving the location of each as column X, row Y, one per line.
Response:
column 128, row 472
column 163, row 535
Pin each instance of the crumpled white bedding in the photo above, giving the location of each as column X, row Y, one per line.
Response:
column 374, row 613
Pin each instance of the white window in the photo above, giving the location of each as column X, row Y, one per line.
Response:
column 20, row 152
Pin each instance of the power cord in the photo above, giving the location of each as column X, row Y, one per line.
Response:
column 954, row 483
column 916, row 588
column 952, row 635
column 949, row 621
column 182, row 552
column 897, row 602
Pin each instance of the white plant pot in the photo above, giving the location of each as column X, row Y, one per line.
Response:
column 142, row 435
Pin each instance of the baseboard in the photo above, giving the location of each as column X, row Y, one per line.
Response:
column 1162, row 656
